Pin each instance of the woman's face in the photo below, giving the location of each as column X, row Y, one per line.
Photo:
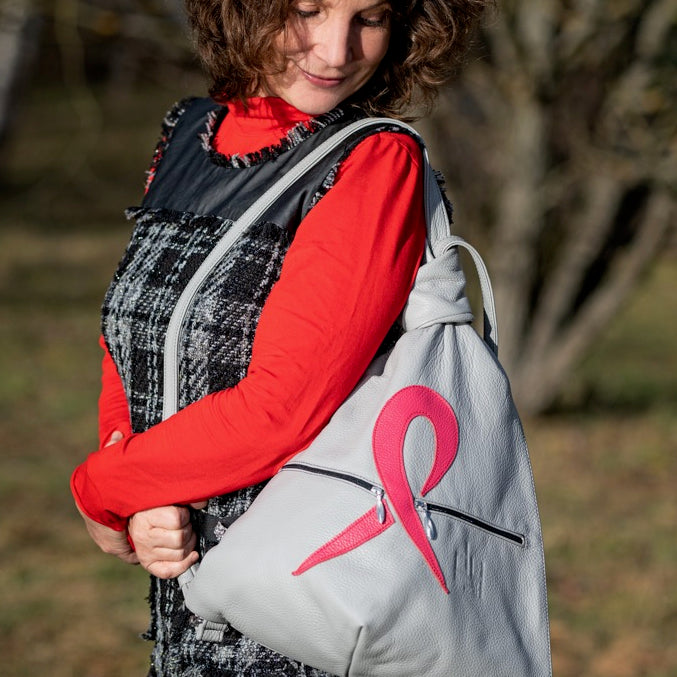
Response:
column 331, row 48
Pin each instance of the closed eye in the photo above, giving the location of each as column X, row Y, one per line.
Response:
column 379, row 21
column 305, row 13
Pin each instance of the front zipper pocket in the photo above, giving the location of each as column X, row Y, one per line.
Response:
column 422, row 506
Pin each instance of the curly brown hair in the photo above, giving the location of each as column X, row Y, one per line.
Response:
column 234, row 39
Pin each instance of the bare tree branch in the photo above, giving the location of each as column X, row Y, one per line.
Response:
column 519, row 223
column 15, row 17
column 554, row 142
column 585, row 240
column 542, row 380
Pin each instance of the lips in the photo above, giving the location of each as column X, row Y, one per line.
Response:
column 322, row 81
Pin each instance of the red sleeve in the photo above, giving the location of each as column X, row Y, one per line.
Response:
column 344, row 282
column 113, row 407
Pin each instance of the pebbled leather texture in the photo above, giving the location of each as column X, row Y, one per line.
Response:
column 455, row 585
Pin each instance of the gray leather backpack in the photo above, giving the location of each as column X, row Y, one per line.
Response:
column 405, row 541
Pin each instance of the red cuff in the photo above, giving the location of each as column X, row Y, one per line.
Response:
column 85, row 494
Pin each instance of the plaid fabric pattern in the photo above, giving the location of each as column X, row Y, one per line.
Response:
column 164, row 252
column 165, row 249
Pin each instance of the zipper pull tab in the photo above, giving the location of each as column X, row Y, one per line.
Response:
column 430, row 529
column 380, row 506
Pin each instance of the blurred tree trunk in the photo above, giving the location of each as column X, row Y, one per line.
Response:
column 560, row 149
column 17, row 45
column 83, row 43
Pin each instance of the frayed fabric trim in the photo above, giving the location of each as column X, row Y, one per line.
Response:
column 326, row 184
column 298, row 133
column 168, row 124
column 264, row 229
column 439, row 177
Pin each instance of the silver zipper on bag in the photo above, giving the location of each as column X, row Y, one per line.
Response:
column 422, row 506
column 377, row 491
column 428, row 523
column 380, row 506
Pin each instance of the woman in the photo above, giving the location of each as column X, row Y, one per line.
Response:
column 283, row 330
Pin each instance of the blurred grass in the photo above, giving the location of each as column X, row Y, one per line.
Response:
column 604, row 466
column 67, row 610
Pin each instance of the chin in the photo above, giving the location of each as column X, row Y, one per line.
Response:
column 317, row 109
column 314, row 100
column 315, row 104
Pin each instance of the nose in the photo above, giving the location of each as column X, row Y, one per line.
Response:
column 335, row 42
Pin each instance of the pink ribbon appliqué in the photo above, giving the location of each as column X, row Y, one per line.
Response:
column 389, row 433
column 388, row 447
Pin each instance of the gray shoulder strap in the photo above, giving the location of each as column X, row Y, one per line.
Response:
column 438, row 230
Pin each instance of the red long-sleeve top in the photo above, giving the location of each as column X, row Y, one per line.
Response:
column 344, row 281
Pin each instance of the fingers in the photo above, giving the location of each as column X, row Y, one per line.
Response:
column 165, row 569
column 116, row 436
column 170, row 517
column 110, row 541
column 159, row 543
column 158, row 537
column 164, row 540
column 152, row 550
column 130, row 558
column 161, row 528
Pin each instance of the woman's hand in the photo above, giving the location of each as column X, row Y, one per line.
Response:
column 164, row 540
column 110, row 541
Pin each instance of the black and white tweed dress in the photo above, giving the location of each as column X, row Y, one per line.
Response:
column 193, row 196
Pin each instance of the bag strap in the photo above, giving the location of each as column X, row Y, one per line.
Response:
column 438, row 233
column 488, row 305
column 223, row 246
column 439, row 239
